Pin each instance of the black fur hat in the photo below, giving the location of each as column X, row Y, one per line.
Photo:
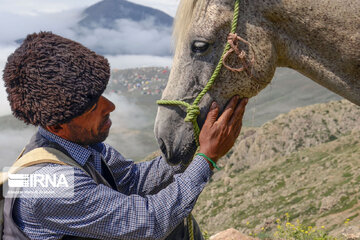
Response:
column 51, row 80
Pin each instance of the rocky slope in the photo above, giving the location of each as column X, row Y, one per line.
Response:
column 300, row 128
column 305, row 163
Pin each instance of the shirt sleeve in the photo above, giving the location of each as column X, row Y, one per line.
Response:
column 97, row 211
column 142, row 178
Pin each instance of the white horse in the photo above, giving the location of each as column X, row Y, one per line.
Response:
column 320, row 39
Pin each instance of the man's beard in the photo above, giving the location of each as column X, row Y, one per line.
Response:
column 85, row 137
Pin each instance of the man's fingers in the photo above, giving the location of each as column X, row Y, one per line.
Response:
column 237, row 129
column 236, row 118
column 229, row 110
column 212, row 114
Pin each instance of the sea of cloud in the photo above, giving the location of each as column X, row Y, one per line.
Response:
column 126, row 37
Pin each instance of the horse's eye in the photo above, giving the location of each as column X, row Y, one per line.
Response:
column 199, row 46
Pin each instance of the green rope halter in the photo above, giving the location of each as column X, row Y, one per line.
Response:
column 193, row 110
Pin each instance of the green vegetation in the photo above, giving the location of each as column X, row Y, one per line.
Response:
column 299, row 231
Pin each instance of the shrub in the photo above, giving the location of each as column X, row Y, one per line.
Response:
column 298, row 231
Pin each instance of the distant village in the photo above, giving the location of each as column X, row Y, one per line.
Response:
column 145, row 81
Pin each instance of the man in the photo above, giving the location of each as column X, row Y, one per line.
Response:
column 57, row 84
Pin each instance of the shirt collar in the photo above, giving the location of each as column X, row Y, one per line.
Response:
column 77, row 152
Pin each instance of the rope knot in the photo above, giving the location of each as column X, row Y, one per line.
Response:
column 193, row 112
column 234, row 41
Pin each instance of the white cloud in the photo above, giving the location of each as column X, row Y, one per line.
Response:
column 134, row 61
column 127, row 37
column 37, row 7
column 18, row 26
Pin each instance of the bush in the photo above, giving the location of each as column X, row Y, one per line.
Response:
column 298, row 231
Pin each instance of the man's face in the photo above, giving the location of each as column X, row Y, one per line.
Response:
column 92, row 126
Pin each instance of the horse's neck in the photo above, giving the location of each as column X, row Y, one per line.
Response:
column 320, row 39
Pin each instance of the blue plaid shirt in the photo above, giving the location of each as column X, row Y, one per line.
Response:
column 153, row 198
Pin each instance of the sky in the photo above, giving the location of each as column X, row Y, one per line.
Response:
column 21, row 17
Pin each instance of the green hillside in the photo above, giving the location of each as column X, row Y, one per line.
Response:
column 314, row 177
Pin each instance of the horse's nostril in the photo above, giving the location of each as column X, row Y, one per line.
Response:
column 162, row 145
column 164, row 149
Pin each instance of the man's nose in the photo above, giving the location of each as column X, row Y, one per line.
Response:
column 109, row 105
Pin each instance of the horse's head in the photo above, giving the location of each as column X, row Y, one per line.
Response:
column 201, row 32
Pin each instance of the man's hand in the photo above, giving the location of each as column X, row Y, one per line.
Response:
column 218, row 135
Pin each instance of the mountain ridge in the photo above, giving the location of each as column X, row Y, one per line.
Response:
column 105, row 13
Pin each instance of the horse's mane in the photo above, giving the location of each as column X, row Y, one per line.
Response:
column 184, row 15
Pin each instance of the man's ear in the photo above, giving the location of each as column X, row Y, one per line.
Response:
column 61, row 130
column 56, row 129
